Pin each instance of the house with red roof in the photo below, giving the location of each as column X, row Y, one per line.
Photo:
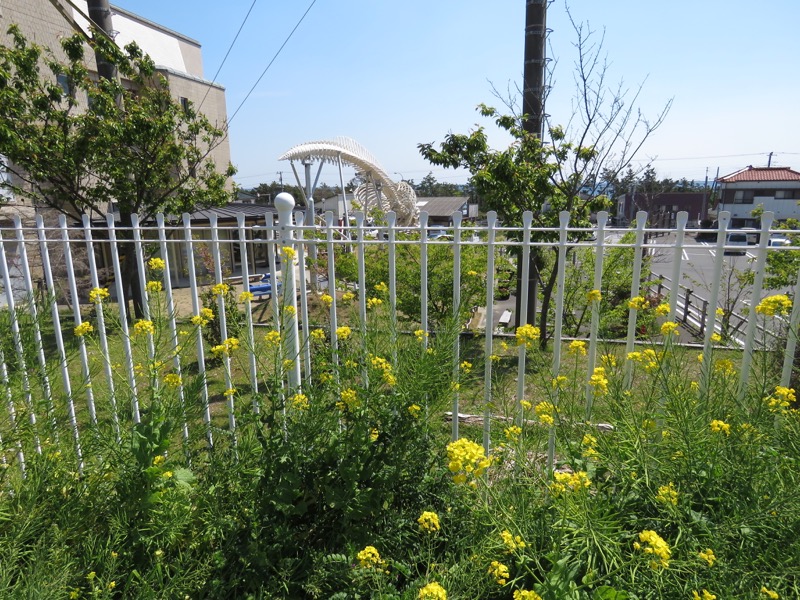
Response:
column 774, row 188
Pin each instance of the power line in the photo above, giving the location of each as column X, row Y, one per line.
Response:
column 236, row 37
column 700, row 157
column 264, row 72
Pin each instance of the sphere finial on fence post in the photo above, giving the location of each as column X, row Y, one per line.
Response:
column 284, row 203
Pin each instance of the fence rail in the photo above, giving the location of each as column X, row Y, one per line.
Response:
column 54, row 279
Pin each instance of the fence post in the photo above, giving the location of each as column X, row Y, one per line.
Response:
column 682, row 219
column 761, row 261
column 687, row 302
column 641, row 220
column 723, row 218
column 457, row 314
column 703, row 316
column 491, row 220
column 284, row 203
column 602, row 219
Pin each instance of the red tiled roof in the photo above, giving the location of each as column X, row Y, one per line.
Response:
column 752, row 173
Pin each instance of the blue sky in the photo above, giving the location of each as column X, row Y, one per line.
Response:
column 392, row 75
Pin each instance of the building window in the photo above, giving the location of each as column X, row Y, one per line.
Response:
column 185, row 105
column 743, row 197
column 787, row 194
column 765, row 193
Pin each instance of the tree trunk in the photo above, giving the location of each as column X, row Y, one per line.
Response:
column 131, row 286
column 547, row 293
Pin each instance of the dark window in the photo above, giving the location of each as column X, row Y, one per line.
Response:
column 765, row 193
column 787, row 194
column 743, row 197
column 185, row 104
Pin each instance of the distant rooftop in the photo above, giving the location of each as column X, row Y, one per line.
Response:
column 755, row 174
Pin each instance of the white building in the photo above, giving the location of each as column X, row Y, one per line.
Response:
column 775, row 189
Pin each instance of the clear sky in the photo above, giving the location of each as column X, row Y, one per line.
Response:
column 392, row 75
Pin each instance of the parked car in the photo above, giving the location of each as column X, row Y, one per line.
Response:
column 777, row 240
column 736, row 243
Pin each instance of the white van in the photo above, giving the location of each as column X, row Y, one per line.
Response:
column 736, row 243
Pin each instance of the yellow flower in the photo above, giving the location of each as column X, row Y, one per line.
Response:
column 527, row 335
column 638, row 303
column 455, row 386
column 343, row 332
column 465, row 367
column 156, row 264
column 273, row 338
column 288, row 364
column 719, row 312
column 318, row 335
column 669, row 328
column 494, row 358
column 207, row 314
column 577, row 347
column 290, row 310
column 429, row 521
column 544, row 412
column 593, row 296
column 82, row 329
column 420, row 334
column 97, row 295
column 158, row 460
column 781, row 399
column 598, row 381
column 288, row 252
column 716, row 338
column 373, row 434
column 662, row 310
column 465, row 459
column 708, row 556
column 574, row 481
column 91, row 575
column 499, row 571
column 512, row 433
column 218, row 349
column 652, row 543
column 769, row 593
column 230, row 392
column 472, row 273
column 706, row 595
column 718, row 426
column 167, row 474
column 511, row 542
column 143, row 326
column 112, row 585
column 374, row 302
column 326, row 299
column 381, row 288
column 609, row 361
column 526, row 595
column 432, row 591
column 414, row 410
column 525, row 404
column 246, row 297
column 559, row 382
column 220, row 289
column 667, row 494
column 779, row 304
column 172, row 379
column 154, row 286
column 348, row 296
column 370, row 558
column 350, row 398
column 299, row 401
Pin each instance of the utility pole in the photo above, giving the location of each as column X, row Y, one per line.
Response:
column 533, row 95
column 280, row 178
column 100, row 14
column 769, row 160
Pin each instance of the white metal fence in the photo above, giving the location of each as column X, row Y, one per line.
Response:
column 43, row 284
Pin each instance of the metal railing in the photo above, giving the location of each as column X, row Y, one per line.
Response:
column 40, row 280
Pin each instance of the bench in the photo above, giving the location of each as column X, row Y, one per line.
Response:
column 505, row 318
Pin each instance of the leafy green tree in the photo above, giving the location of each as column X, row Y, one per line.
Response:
column 545, row 176
column 75, row 143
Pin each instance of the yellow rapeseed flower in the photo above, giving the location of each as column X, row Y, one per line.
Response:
column 429, row 522
column 593, row 296
column 326, row 299
column 652, row 543
column 526, row 595
column 669, row 328
column 220, row 289
column 704, row 595
column 246, row 297
column 381, row 288
column 527, row 335
column 708, row 556
column 465, row 459
column 718, row 426
column 544, row 412
column 143, row 326
column 638, row 303
column 599, row 382
column 343, row 332
column 662, row 310
column 172, row 379
column 512, row 433
column 667, row 494
column 288, row 252
column 779, row 304
column 374, row 302
column 499, row 571
column 432, row 591
column 577, row 347
column 154, row 287
column 97, row 295
column 299, row 401
column 414, row 410
column 348, row 296
column 370, row 558
column 318, row 335
column 82, row 329
column 511, row 542
column 769, row 593
column 273, row 338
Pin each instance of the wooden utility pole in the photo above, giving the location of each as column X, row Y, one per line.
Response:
column 533, row 96
column 100, row 14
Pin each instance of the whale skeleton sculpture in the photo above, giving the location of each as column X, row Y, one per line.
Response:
column 378, row 190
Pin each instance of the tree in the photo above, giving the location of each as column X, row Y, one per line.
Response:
column 76, row 143
column 430, row 187
column 546, row 176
